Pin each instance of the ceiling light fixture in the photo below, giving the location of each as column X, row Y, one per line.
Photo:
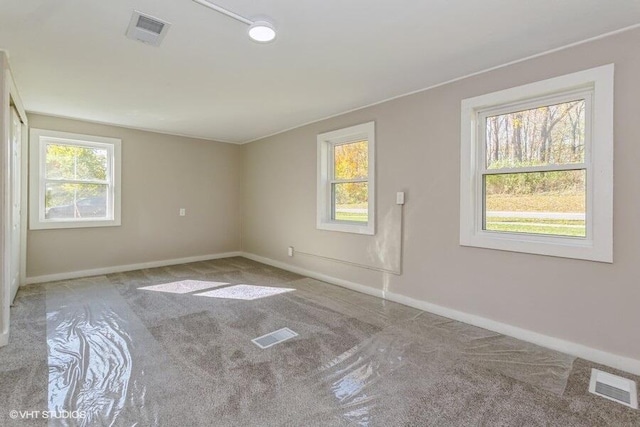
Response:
column 260, row 31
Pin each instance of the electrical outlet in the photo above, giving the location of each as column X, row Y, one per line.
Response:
column 183, row 212
column 400, row 198
column 290, row 251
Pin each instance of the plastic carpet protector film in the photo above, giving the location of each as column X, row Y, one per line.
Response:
column 125, row 355
column 106, row 364
column 97, row 365
column 393, row 375
column 101, row 356
column 95, row 354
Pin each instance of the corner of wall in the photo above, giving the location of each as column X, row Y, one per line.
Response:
column 243, row 189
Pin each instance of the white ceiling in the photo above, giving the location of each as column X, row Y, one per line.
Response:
column 208, row 79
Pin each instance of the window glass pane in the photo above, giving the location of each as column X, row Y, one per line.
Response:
column 74, row 162
column 540, row 136
column 351, row 161
column 68, row 201
column 350, row 201
column 539, row 203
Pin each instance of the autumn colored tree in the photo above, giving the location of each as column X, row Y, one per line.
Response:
column 351, row 162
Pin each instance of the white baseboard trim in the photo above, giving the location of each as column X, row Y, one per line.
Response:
column 123, row 268
column 578, row 350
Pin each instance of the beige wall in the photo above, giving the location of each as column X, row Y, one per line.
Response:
column 160, row 175
column 418, row 150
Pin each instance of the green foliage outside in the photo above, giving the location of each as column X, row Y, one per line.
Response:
column 518, row 227
column 560, row 227
column 349, row 216
column 558, row 182
column 72, row 166
column 541, row 136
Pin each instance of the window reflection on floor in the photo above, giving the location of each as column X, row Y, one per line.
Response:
column 184, row 286
column 244, row 292
column 240, row 292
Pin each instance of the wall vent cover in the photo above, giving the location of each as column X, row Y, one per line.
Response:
column 147, row 29
column 274, row 338
column 613, row 387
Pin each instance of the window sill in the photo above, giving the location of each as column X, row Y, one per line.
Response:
column 563, row 247
column 347, row 227
column 53, row 225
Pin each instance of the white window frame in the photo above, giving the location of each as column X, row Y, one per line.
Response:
column 37, row 180
column 597, row 85
column 326, row 143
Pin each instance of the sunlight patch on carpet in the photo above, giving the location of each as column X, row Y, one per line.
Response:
column 244, row 292
column 184, row 286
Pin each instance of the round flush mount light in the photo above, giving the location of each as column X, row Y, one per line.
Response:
column 262, row 32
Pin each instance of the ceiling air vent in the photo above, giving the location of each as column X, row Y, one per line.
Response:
column 147, row 29
column 614, row 388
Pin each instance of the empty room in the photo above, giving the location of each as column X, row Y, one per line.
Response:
column 361, row 213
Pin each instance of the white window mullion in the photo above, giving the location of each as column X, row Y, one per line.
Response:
column 588, row 149
column 568, row 96
column 77, row 181
column 348, row 181
column 534, row 169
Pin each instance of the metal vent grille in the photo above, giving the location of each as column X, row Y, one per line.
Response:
column 148, row 24
column 147, row 29
column 613, row 392
column 613, row 387
column 274, row 338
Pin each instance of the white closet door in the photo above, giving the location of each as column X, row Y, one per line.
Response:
column 15, row 144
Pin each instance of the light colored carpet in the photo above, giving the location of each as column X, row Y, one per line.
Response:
column 126, row 350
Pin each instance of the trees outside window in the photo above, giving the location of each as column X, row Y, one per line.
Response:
column 346, row 180
column 537, row 167
column 534, row 174
column 76, row 180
